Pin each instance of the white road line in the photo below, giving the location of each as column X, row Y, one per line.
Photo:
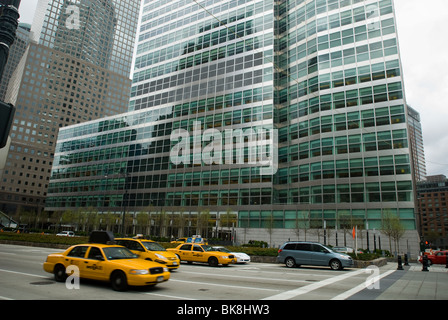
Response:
column 222, row 285
column 24, row 274
column 168, row 296
column 303, row 290
column 5, row 298
column 362, row 286
column 245, row 277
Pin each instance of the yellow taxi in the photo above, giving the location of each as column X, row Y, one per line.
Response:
column 204, row 253
column 150, row 250
column 105, row 262
column 179, row 240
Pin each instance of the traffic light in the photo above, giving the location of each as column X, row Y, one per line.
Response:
column 6, row 116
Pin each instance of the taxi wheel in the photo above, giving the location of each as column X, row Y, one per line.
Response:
column 118, row 281
column 59, row 273
column 213, row 262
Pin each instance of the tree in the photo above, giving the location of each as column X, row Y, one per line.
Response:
column 302, row 222
column 202, row 222
column 392, row 227
column 269, row 225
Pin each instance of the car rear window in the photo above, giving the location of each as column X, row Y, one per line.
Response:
column 78, row 252
column 290, row 246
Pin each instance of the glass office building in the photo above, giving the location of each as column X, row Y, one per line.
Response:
column 325, row 74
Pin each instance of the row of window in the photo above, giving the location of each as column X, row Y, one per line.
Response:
column 192, row 30
column 337, row 20
column 358, row 167
column 384, row 140
column 341, row 122
column 232, row 49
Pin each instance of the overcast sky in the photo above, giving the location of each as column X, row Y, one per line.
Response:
column 424, row 53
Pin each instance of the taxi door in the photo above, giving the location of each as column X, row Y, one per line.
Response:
column 93, row 265
column 76, row 258
column 198, row 254
column 185, row 252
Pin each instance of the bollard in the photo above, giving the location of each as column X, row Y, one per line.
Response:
column 425, row 263
column 406, row 260
column 400, row 266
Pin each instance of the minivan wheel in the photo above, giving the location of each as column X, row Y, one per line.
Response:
column 335, row 265
column 290, row 262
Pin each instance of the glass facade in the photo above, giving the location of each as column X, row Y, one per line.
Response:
column 325, row 74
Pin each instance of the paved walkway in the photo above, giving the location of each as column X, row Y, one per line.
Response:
column 409, row 284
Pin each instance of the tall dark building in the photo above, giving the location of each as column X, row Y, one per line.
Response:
column 75, row 69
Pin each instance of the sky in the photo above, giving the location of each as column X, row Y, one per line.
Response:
column 424, row 55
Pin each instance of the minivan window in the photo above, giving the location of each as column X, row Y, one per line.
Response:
column 303, row 247
column 318, row 248
column 290, row 246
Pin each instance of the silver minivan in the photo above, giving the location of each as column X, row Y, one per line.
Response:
column 297, row 253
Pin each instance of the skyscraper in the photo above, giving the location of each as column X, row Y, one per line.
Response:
column 325, row 74
column 76, row 69
column 417, row 145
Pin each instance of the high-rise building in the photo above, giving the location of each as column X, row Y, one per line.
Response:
column 325, row 75
column 75, row 69
column 417, row 146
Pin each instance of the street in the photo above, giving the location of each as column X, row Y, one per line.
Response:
column 22, row 278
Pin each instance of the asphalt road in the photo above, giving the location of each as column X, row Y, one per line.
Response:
column 23, row 278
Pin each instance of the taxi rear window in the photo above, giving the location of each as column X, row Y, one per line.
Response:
column 78, row 252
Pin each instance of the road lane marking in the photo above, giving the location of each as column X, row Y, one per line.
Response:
column 222, row 285
column 303, row 290
column 244, row 277
column 168, row 296
column 24, row 274
column 362, row 286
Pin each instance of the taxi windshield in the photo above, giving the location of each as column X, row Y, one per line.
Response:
column 153, row 246
column 114, row 253
column 206, row 247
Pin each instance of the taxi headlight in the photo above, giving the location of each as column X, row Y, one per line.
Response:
column 160, row 256
column 139, row 272
column 225, row 257
column 166, row 269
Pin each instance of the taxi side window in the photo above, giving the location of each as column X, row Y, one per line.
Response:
column 197, row 248
column 185, row 247
column 78, row 252
column 134, row 245
column 95, row 254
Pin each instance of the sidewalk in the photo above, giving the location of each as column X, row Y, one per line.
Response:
column 410, row 284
